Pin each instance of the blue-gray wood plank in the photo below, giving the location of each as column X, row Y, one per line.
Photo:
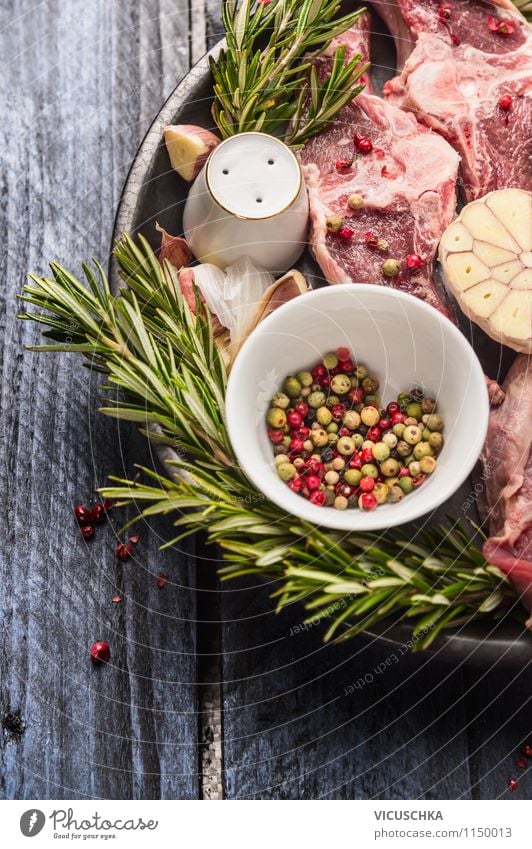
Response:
column 79, row 86
column 360, row 720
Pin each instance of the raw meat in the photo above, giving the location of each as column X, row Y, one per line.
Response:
column 507, row 475
column 467, row 22
column 456, row 88
column 407, row 182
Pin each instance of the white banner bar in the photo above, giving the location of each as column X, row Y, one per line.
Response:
column 254, row 825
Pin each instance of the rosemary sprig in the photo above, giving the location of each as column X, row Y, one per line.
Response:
column 438, row 577
column 265, row 78
column 163, row 369
column 162, row 365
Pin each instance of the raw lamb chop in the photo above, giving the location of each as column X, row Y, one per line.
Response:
column 469, row 82
column 507, row 462
column 407, row 183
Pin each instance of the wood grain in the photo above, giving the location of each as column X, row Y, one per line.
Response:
column 80, row 84
column 360, row 720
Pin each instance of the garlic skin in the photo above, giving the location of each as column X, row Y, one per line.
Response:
column 188, row 147
column 486, row 258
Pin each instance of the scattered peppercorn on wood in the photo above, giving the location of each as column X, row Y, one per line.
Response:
column 486, row 256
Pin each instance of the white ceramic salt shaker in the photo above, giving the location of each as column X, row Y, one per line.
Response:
column 249, row 200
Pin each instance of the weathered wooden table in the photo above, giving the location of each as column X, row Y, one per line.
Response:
column 80, row 84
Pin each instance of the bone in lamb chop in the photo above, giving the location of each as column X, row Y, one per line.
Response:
column 507, row 472
column 466, row 72
column 407, row 183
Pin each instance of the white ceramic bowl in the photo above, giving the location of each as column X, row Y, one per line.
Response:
column 404, row 342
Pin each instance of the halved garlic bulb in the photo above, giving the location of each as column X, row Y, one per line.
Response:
column 486, row 256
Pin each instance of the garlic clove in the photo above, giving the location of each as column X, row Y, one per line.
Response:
column 466, row 270
column 492, row 281
column 484, row 225
column 456, row 238
column 513, row 206
column 491, row 254
column 484, row 298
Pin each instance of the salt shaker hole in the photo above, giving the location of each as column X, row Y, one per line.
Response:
column 225, row 171
column 271, row 161
column 259, row 200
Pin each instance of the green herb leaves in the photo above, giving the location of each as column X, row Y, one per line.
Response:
column 265, row 80
column 165, row 372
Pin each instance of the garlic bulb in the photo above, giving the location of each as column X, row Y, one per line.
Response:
column 486, row 256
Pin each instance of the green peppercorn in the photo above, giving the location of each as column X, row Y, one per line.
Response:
column 428, row 405
column 370, row 384
column 435, row 441
column 281, row 400
column 403, row 399
column 329, row 497
column 422, row 449
column 402, row 448
column 338, row 464
column 370, row 416
column 395, row 494
column 372, row 400
column 345, row 445
column 399, row 429
column 358, row 439
column 286, row 471
column 319, row 437
column 332, row 438
column 389, row 468
column 323, row 416
column 334, row 223
column 369, row 470
column 382, row 245
column 426, row 434
column 412, row 434
column 305, row 378
column 380, row 491
column 281, row 458
column 361, row 372
column 355, row 201
column 435, row 422
column 391, row 267
column 415, row 410
column 286, row 442
column 332, row 477
column 332, row 427
column 316, row 400
column 414, row 468
column 380, row 451
column 330, row 360
column 351, row 420
column 332, row 400
column 352, row 477
column 390, row 440
column 410, row 420
column 341, row 384
column 292, row 387
column 305, row 392
column 406, row 484
column 340, row 502
column 276, row 417
column 428, row 464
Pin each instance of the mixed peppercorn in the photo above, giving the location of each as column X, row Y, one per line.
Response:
column 335, row 444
